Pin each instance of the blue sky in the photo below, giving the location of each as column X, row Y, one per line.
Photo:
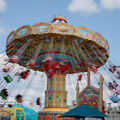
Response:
column 101, row 16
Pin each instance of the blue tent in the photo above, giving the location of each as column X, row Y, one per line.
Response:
column 30, row 114
column 83, row 111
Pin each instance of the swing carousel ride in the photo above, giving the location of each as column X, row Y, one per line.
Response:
column 59, row 49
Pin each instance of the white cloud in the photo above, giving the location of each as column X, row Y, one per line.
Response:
column 3, row 5
column 110, row 4
column 4, row 29
column 87, row 7
column 83, row 6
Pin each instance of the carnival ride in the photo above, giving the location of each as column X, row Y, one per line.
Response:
column 57, row 49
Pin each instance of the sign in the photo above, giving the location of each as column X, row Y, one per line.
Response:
column 89, row 96
column 41, row 28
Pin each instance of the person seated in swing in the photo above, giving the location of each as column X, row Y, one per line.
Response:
column 116, row 97
column 6, row 70
column 7, row 67
column 4, row 93
column 13, row 59
column 93, row 69
column 23, row 74
column 115, row 84
column 110, row 86
column 38, row 102
column 118, row 74
column 18, row 98
column 112, row 68
column 80, row 77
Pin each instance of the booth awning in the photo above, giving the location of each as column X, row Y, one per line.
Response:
column 83, row 111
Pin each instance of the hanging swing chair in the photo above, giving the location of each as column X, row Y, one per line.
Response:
column 80, row 77
column 18, row 98
column 93, row 69
column 115, row 98
column 14, row 59
column 4, row 93
column 31, row 64
column 110, row 86
column 6, row 70
column 112, row 68
column 8, row 79
column 23, row 74
column 115, row 84
column 118, row 74
column 38, row 102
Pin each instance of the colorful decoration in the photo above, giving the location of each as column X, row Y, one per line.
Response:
column 59, row 28
column 18, row 112
column 101, row 94
column 41, row 28
column 57, row 49
column 89, row 96
column 115, row 98
column 84, row 33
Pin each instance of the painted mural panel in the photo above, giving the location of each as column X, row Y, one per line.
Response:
column 62, row 28
column 99, row 39
column 84, row 33
column 22, row 32
column 41, row 28
column 89, row 97
column 7, row 113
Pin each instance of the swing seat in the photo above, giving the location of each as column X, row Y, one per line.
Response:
column 18, row 98
column 8, row 79
column 112, row 70
column 38, row 102
column 24, row 75
column 6, row 70
column 80, row 77
column 115, row 99
column 31, row 64
column 3, row 95
column 94, row 69
column 83, row 63
column 13, row 59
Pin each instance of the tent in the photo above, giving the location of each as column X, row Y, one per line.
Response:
column 30, row 114
column 83, row 111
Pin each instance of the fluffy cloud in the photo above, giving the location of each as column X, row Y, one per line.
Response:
column 110, row 4
column 92, row 6
column 3, row 5
column 4, row 29
column 84, row 6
